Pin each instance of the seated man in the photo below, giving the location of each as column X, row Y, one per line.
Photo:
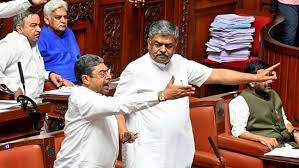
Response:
column 20, row 46
column 257, row 113
column 91, row 130
column 57, row 43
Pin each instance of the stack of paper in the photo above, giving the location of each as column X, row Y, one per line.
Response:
column 4, row 104
column 231, row 38
column 63, row 91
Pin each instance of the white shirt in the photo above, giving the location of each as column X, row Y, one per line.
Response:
column 15, row 48
column 12, row 8
column 91, row 132
column 165, row 138
column 290, row 2
column 239, row 114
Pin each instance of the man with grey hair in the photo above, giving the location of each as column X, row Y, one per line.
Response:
column 91, row 129
column 57, row 43
column 20, row 46
column 12, row 8
column 165, row 137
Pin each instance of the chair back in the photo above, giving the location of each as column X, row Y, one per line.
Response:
column 32, row 152
column 23, row 156
column 204, row 125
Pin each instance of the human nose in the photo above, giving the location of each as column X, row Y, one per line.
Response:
column 162, row 48
column 63, row 19
column 38, row 28
column 108, row 76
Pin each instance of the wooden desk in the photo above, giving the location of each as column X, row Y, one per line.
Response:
column 59, row 105
column 16, row 123
column 278, row 161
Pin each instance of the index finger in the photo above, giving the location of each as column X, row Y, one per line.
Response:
column 273, row 67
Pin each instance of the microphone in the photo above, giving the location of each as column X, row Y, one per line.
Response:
column 36, row 116
column 21, row 76
column 215, row 150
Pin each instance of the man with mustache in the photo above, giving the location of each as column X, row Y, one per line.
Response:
column 21, row 46
column 57, row 43
column 257, row 113
column 91, row 129
column 165, row 138
column 12, row 8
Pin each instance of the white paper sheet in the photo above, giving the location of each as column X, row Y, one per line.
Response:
column 61, row 91
column 5, row 104
column 286, row 151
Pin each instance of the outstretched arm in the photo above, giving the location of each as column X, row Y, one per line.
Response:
column 230, row 77
column 169, row 93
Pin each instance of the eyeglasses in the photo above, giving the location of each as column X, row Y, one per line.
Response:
column 103, row 73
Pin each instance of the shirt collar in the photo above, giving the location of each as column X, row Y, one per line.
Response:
column 160, row 65
column 24, row 38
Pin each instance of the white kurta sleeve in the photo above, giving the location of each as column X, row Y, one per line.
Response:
column 126, row 83
column 197, row 73
column 93, row 105
column 285, row 119
column 239, row 113
column 11, row 8
column 5, row 61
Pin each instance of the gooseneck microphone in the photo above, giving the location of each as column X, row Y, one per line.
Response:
column 211, row 142
column 22, row 76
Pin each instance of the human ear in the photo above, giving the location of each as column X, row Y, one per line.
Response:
column 251, row 85
column 19, row 28
column 85, row 80
column 46, row 19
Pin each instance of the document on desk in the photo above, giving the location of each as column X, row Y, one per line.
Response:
column 286, row 151
column 63, row 91
column 5, row 104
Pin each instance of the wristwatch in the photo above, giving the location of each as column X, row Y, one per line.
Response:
column 161, row 96
column 294, row 131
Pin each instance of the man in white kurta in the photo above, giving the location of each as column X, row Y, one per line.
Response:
column 12, row 8
column 20, row 46
column 165, row 133
column 91, row 130
column 16, row 48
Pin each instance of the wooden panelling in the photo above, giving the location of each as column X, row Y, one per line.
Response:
column 80, row 20
column 259, row 6
column 111, row 35
column 203, row 15
column 288, row 71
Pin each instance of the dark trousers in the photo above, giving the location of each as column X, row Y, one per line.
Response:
column 290, row 25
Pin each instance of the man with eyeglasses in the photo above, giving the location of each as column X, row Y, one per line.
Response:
column 12, row 8
column 165, row 138
column 91, row 129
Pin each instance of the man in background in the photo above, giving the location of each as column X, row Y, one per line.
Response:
column 257, row 113
column 289, row 9
column 12, row 8
column 57, row 43
column 21, row 46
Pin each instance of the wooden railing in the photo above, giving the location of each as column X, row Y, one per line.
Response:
column 274, row 51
